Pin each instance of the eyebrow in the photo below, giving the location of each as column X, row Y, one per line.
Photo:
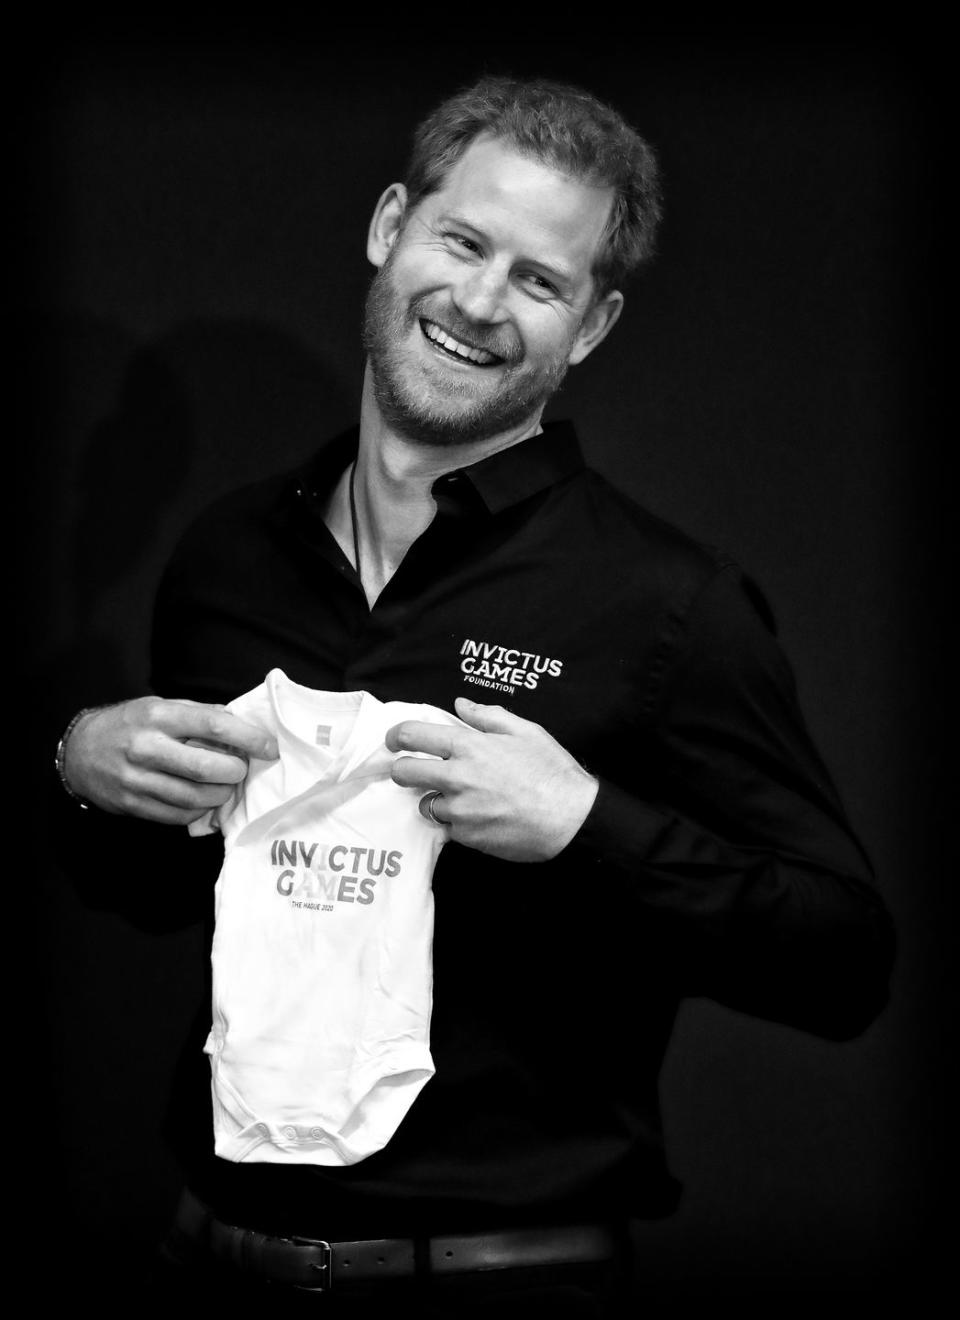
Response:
column 560, row 274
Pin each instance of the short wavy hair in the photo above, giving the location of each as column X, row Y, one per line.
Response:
column 564, row 127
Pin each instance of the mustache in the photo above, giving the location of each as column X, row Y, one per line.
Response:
column 500, row 341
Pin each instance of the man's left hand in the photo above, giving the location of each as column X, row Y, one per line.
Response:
column 507, row 787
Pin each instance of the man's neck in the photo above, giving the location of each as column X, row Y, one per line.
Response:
column 392, row 504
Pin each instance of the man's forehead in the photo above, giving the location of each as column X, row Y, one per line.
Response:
column 491, row 155
column 494, row 182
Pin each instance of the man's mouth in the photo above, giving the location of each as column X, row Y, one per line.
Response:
column 457, row 348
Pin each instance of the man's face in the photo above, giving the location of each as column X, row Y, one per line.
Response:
column 484, row 296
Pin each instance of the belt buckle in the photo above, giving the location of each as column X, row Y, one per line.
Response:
column 324, row 1267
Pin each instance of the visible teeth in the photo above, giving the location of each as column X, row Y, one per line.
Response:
column 438, row 336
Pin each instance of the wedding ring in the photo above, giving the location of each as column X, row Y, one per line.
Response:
column 427, row 804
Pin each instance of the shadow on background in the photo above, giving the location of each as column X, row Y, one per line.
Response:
column 136, row 438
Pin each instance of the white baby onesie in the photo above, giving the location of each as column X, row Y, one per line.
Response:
column 322, row 951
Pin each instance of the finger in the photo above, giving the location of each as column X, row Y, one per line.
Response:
column 417, row 736
column 161, row 813
column 183, row 719
column 420, row 772
column 162, row 805
column 183, row 795
column 154, row 753
column 490, row 719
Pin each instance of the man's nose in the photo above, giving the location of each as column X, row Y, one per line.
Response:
column 480, row 295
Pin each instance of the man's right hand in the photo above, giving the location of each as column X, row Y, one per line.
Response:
column 161, row 760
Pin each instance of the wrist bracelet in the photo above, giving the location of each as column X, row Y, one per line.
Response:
column 62, row 750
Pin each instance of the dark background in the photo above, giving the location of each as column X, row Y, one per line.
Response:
column 190, row 221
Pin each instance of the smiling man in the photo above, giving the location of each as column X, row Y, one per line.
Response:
column 639, row 815
column 485, row 296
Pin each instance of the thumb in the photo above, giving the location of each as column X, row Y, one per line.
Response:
column 488, row 719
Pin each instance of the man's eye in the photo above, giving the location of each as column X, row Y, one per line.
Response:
column 540, row 285
column 462, row 241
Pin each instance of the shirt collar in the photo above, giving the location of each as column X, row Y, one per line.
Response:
column 526, row 468
column 500, row 481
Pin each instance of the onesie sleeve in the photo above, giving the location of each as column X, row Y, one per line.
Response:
column 732, row 836
column 209, row 823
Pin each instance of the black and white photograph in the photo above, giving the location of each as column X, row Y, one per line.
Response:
column 479, row 574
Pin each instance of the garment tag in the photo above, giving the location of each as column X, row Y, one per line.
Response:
column 323, row 735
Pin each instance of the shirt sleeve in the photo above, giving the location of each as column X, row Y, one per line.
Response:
column 732, row 837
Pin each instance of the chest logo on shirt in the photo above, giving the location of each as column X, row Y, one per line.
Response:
column 504, row 668
column 317, row 875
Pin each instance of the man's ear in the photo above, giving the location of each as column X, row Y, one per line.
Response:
column 597, row 323
column 386, row 223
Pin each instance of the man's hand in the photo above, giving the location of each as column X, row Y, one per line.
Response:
column 508, row 788
column 161, row 760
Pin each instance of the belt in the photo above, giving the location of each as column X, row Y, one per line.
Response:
column 319, row 1266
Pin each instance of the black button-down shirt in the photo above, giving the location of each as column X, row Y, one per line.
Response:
column 716, row 860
